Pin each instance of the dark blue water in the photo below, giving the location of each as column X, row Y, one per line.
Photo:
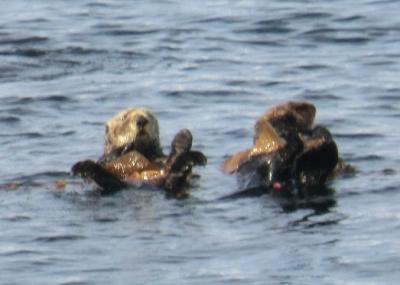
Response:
column 212, row 67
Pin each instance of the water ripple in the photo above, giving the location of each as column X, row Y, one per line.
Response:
column 9, row 119
column 358, row 135
column 23, row 40
column 56, row 238
column 65, row 68
column 129, row 32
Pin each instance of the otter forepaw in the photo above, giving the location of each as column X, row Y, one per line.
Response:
column 89, row 169
column 197, row 158
column 84, row 168
column 182, row 141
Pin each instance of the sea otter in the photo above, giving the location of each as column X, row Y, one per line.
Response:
column 289, row 153
column 133, row 154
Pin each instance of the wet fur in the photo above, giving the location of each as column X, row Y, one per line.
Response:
column 132, row 148
column 306, row 159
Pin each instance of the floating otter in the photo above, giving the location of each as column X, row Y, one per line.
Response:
column 288, row 153
column 133, row 154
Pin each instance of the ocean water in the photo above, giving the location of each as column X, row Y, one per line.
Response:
column 212, row 67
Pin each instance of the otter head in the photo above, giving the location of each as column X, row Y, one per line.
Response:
column 292, row 115
column 133, row 129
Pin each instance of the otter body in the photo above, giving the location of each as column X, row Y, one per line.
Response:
column 133, row 154
column 289, row 155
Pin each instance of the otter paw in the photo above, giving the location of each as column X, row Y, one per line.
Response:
column 197, row 158
column 91, row 170
column 84, row 168
column 182, row 141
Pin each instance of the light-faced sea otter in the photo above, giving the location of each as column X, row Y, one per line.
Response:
column 133, row 154
column 289, row 153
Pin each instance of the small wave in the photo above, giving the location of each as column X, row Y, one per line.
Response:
column 313, row 66
column 389, row 171
column 54, row 98
column 77, row 50
column 28, row 135
column 313, row 95
column 272, row 83
column 24, row 40
column 390, row 97
column 68, row 133
column 28, row 52
column 17, row 218
column 97, row 5
column 237, row 133
column 9, row 119
column 347, row 40
column 310, row 16
column 256, row 83
column 371, row 157
column 49, row 98
column 262, row 43
column 18, row 252
column 56, row 238
column 266, row 30
column 124, row 32
column 381, row 63
column 267, row 27
column 218, row 20
column 337, row 36
column 204, row 93
column 106, row 219
column 98, row 270
column 350, row 18
column 387, row 189
column 358, row 136
column 308, row 223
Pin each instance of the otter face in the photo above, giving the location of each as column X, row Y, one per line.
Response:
column 132, row 129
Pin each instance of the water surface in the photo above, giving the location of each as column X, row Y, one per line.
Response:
column 212, row 67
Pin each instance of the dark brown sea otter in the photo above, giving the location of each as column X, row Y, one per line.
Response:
column 133, row 155
column 288, row 152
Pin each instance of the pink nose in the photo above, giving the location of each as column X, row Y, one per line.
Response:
column 277, row 185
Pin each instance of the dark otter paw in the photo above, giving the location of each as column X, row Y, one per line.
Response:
column 197, row 158
column 181, row 155
column 84, row 169
column 182, row 142
column 89, row 169
column 180, row 162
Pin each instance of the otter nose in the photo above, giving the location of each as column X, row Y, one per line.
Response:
column 141, row 123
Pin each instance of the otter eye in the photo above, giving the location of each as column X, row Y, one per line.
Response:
column 141, row 122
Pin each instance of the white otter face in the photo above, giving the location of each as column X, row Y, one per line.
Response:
column 134, row 127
